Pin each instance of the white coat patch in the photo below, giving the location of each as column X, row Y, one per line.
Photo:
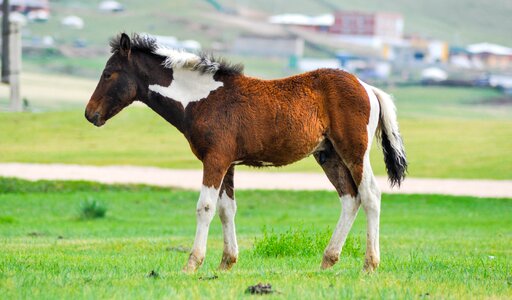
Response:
column 374, row 112
column 188, row 86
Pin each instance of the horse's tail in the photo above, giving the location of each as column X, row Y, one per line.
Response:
column 392, row 145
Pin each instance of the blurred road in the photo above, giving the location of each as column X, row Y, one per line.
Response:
column 191, row 179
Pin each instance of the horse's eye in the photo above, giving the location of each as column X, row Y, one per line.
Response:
column 107, row 75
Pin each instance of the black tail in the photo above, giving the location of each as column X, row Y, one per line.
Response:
column 396, row 163
column 392, row 145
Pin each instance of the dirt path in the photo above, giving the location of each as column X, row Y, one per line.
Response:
column 191, row 179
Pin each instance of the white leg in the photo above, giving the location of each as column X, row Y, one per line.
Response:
column 370, row 196
column 205, row 211
column 350, row 206
column 368, row 190
column 227, row 211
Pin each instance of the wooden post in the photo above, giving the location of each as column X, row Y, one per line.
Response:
column 11, row 56
column 15, row 65
column 5, row 41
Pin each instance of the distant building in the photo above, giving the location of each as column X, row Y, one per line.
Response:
column 365, row 25
column 362, row 28
column 73, row 22
column 320, row 23
column 414, row 49
column 268, row 46
column 486, row 55
column 34, row 10
column 25, row 6
column 482, row 56
column 110, row 6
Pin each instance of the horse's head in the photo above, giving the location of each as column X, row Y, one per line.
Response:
column 117, row 87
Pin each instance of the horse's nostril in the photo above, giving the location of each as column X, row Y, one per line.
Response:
column 95, row 118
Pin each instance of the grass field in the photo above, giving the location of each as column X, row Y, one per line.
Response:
column 445, row 136
column 432, row 246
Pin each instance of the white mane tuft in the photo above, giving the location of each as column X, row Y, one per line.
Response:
column 180, row 59
column 177, row 58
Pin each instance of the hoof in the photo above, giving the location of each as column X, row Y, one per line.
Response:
column 227, row 261
column 371, row 264
column 329, row 261
column 193, row 264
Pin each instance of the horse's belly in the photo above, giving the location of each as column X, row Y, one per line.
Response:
column 283, row 133
column 285, row 150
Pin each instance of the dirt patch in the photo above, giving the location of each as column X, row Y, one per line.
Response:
column 212, row 277
column 181, row 249
column 247, row 180
column 153, row 274
column 35, row 234
column 260, row 289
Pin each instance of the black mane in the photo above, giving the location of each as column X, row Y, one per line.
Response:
column 143, row 43
column 209, row 63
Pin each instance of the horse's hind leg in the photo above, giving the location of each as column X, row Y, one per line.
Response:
column 355, row 156
column 227, row 210
column 340, row 177
column 370, row 196
column 351, row 136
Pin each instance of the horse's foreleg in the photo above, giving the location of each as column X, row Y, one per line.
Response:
column 227, row 211
column 213, row 174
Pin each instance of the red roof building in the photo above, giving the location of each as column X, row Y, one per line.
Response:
column 379, row 24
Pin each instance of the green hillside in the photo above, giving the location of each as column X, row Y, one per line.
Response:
column 457, row 21
column 201, row 21
column 460, row 22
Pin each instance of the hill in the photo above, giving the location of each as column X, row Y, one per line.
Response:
column 474, row 21
column 459, row 22
column 456, row 21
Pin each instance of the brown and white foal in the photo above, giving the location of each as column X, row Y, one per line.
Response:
column 230, row 119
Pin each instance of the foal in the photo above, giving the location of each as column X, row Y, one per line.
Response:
column 230, row 119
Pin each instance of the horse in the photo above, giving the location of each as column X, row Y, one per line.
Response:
column 231, row 119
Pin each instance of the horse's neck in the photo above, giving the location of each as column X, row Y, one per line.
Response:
column 171, row 111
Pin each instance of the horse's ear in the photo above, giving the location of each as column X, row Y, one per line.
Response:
column 125, row 45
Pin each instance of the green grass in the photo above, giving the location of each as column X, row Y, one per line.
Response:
column 432, row 246
column 419, row 102
column 86, row 67
column 92, row 209
column 445, row 136
column 294, row 242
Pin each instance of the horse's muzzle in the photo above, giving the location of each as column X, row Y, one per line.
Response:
column 94, row 119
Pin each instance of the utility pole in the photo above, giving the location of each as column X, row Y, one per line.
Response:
column 11, row 56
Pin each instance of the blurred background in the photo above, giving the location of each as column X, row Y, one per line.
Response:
column 448, row 64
